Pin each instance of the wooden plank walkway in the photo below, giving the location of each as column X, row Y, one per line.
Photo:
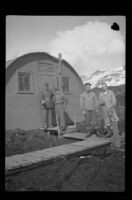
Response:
column 27, row 159
column 76, row 135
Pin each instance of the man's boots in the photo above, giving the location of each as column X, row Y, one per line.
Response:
column 93, row 131
column 98, row 133
column 89, row 131
column 109, row 132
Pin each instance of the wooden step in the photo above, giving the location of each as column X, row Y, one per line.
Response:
column 71, row 129
column 55, row 128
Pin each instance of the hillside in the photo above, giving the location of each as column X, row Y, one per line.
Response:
column 113, row 77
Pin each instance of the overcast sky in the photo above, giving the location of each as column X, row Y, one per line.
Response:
column 86, row 42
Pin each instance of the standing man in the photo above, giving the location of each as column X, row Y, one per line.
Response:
column 60, row 102
column 107, row 100
column 47, row 103
column 89, row 106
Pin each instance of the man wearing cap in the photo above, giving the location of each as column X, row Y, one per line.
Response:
column 89, row 106
column 47, row 106
column 107, row 100
column 60, row 103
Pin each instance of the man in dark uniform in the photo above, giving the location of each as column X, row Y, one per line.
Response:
column 47, row 106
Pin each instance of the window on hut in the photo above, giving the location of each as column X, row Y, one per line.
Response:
column 65, row 81
column 25, row 80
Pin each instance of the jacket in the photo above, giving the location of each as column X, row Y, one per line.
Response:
column 108, row 99
column 88, row 101
column 59, row 98
column 47, row 97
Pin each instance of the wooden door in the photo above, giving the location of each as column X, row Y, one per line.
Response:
column 51, row 79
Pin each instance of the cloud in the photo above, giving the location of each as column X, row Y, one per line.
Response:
column 92, row 38
column 116, row 45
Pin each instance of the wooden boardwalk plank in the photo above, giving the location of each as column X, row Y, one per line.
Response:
column 66, row 150
column 87, row 146
column 76, row 135
column 93, row 142
column 26, row 159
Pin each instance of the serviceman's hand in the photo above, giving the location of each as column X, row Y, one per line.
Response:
column 84, row 112
column 66, row 102
column 97, row 111
column 102, row 103
column 110, row 109
column 43, row 102
column 112, row 106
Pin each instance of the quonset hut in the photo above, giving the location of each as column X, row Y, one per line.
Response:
column 25, row 77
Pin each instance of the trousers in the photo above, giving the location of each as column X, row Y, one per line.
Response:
column 59, row 108
column 116, row 137
column 109, row 115
column 47, row 117
column 111, row 119
column 91, row 119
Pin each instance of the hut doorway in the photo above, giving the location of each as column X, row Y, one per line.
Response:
column 51, row 79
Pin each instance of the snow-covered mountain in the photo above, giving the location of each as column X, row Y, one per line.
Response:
column 112, row 77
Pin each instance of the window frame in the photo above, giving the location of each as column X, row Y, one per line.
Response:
column 69, row 85
column 31, row 82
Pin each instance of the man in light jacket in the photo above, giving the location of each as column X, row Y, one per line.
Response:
column 107, row 100
column 89, row 106
column 60, row 103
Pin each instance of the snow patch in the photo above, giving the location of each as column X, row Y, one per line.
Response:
column 113, row 77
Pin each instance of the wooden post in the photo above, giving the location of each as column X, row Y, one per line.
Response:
column 74, row 120
column 58, row 127
column 59, row 86
column 60, row 72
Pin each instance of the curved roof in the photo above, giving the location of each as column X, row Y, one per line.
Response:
column 14, row 64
